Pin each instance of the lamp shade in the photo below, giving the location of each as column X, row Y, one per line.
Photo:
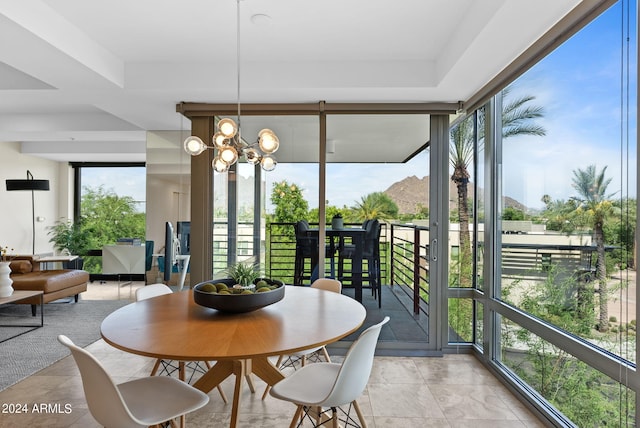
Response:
column 194, row 145
column 268, row 141
column 227, row 127
column 27, row 184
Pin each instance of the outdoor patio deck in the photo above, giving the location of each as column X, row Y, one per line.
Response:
column 406, row 334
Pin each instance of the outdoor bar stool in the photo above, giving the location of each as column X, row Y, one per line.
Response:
column 307, row 249
column 371, row 253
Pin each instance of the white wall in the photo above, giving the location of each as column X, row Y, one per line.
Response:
column 15, row 206
column 166, row 201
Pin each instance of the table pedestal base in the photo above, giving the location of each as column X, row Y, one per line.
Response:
column 260, row 366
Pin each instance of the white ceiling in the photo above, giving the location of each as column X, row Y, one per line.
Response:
column 84, row 80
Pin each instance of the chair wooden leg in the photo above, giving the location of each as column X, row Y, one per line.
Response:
column 266, row 392
column 334, row 417
column 155, row 368
column 326, row 354
column 222, row 394
column 252, row 388
column 280, row 358
column 363, row 423
column 319, row 416
column 181, row 371
column 296, row 416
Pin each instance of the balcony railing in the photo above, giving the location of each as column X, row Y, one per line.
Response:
column 410, row 263
column 281, row 252
column 404, row 257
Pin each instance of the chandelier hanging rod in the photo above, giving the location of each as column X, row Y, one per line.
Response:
column 228, row 142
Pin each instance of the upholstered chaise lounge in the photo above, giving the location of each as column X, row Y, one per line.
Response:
column 55, row 284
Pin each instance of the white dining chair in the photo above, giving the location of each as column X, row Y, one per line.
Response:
column 170, row 367
column 290, row 360
column 330, row 385
column 138, row 403
column 152, row 290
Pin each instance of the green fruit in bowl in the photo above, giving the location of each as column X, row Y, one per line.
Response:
column 261, row 283
column 208, row 288
column 220, row 286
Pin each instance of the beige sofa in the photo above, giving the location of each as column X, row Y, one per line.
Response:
column 55, row 284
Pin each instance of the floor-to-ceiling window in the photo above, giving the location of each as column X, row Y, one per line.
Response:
column 245, row 200
column 465, row 192
column 378, row 168
column 562, row 311
column 109, row 204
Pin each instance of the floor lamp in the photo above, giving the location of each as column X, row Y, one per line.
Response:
column 32, row 185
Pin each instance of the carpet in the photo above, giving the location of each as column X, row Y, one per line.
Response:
column 33, row 351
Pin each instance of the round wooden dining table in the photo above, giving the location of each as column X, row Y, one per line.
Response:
column 174, row 327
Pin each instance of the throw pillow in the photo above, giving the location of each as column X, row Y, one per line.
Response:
column 20, row 266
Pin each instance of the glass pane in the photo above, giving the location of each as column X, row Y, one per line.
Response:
column 291, row 190
column 221, row 258
column 586, row 396
column 479, row 338
column 168, row 180
column 462, row 200
column 460, row 320
column 480, row 214
column 245, row 249
column 112, row 207
column 568, row 183
column 374, row 172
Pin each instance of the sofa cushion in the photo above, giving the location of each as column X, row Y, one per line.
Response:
column 50, row 281
column 21, row 266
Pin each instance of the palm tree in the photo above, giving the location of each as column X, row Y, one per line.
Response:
column 593, row 201
column 376, row 205
column 517, row 119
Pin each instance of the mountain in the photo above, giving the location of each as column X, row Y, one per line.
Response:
column 412, row 192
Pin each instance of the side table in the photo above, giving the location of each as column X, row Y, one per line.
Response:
column 16, row 297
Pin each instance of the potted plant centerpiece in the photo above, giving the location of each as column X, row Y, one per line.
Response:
column 244, row 275
column 243, row 291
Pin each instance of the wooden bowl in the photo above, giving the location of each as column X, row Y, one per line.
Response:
column 238, row 303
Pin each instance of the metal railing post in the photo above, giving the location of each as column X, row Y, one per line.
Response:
column 390, row 259
column 416, row 270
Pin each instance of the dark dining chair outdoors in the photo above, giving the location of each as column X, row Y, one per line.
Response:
column 307, row 249
column 370, row 254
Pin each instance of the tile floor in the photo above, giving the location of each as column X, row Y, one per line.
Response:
column 453, row 391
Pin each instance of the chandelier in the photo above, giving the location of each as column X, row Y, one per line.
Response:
column 227, row 141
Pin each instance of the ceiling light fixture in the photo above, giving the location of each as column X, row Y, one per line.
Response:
column 227, row 140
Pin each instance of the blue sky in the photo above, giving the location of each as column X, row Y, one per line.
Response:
column 347, row 183
column 578, row 85
column 123, row 181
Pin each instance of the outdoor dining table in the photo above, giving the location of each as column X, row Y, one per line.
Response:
column 174, row 327
column 357, row 236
